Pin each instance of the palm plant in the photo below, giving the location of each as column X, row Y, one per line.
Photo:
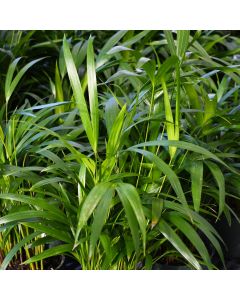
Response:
column 122, row 166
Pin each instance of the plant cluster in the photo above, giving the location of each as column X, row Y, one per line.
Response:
column 119, row 149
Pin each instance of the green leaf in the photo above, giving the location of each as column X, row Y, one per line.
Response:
column 115, row 134
column 118, row 49
column 29, row 214
column 58, row 85
column 169, row 118
column 131, row 219
column 18, row 171
column 157, row 207
column 194, row 101
column 166, row 66
column 10, row 84
column 53, row 232
column 148, row 263
column 92, row 91
column 9, row 77
column 135, row 38
column 128, row 193
column 150, row 69
column 182, row 42
column 59, row 90
column 210, row 233
column 113, row 144
column 192, row 235
column 90, row 203
column 198, row 48
column 170, row 40
column 219, row 178
column 172, row 177
column 222, row 88
column 208, row 230
column 186, row 146
column 79, row 53
column 78, row 93
column 35, row 201
column 196, row 170
column 201, row 222
column 210, row 106
column 16, row 248
column 46, row 181
column 46, row 240
column 106, row 244
column 111, row 113
column 102, row 56
column 49, row 105
column 49, row 253
column 99, row 219
column 120, row 74
column 175, row 240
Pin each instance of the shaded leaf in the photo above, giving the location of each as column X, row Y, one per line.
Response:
column 175, row 240
column 61, row 249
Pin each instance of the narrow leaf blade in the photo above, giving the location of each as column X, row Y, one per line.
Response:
column 175, row 240
column 196, row 171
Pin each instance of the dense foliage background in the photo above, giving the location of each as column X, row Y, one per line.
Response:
column 119, row 149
